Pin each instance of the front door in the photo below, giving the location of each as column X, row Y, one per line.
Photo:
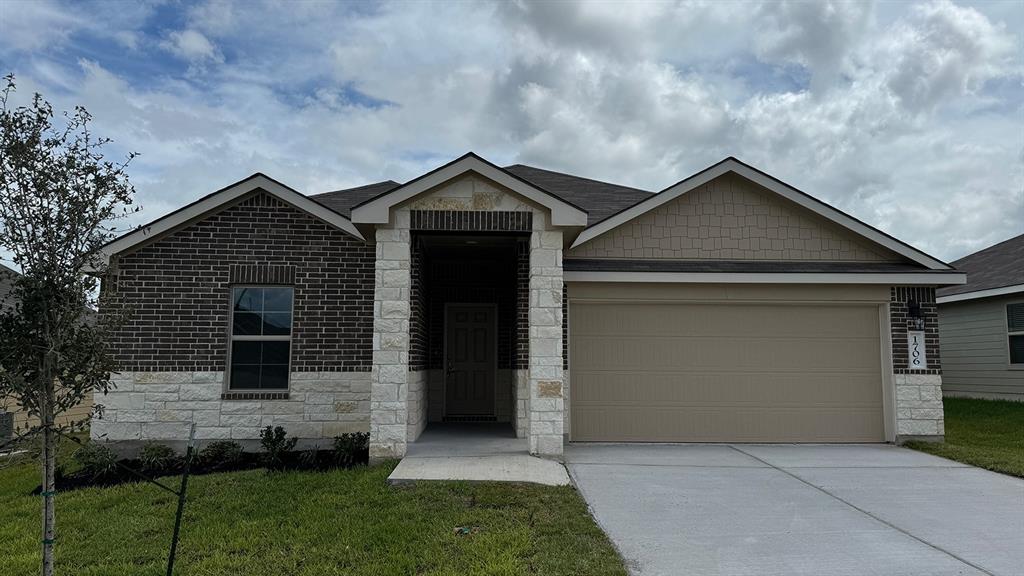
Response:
column 469, row 360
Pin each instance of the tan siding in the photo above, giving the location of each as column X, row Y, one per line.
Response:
column 731, row 218
column 975, row 357
column 713, row 363
column 76, row 414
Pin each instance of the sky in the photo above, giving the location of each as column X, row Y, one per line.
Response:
column 908, row 115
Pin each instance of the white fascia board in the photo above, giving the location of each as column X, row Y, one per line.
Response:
column 378, row 211
column 903, row 279
column 1003, row 291
column 779, row 188
column 218, row 199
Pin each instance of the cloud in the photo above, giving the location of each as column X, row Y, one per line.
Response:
column 907, row 116
column 944, row 51
column 192, row 46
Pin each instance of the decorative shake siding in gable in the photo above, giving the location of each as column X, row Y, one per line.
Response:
column 179, row 289
column 731, row 218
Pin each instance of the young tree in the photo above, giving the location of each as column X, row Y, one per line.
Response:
column 59, row 199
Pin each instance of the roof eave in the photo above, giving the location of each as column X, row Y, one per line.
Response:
column 211, row 202
column 978, row 294
column 377, row 210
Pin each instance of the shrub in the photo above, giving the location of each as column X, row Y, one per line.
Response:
column 351, row 449
column 309, row 459
column 156, row 457
column 97, row 460
column 221, row 454
column 275, row 446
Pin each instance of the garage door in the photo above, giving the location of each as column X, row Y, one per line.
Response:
column 728, row 372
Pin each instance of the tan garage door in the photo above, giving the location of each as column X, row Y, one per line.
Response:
column 729, row 372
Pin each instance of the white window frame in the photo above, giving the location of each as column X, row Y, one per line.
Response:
column 1009, row 359
column 232, row 338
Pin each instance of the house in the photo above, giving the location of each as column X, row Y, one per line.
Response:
column 728, row 307
column 21, row 419
column 981, row 325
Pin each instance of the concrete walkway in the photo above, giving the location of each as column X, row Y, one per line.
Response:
column 800, row 510
column 475, row 452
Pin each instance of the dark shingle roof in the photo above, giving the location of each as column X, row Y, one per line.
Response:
column 342, row 201
column 599, row 199
column 994, row 267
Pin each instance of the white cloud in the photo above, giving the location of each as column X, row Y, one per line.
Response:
column 899, row 125
column 192, row 46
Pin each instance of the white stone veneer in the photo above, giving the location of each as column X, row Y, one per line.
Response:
column 546, row 403
column 918, row 405
column 163, row 405
column 391, row 312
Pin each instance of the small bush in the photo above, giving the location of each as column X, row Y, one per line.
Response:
column 309, row 459
column 276, row 445
column 97, row 460
column 351, row 449
column 221, row 454
column 156, row 457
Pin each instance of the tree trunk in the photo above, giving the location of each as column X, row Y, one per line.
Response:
column 49, row 458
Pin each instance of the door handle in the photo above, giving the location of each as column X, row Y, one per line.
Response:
column 448, row 371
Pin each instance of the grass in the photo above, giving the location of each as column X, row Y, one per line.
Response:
column 316, row 523
column 984, row 433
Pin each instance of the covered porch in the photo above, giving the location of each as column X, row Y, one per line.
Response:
column 475, row 452
column 468, row 308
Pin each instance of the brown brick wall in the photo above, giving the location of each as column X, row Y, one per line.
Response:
column 418, row 310
column 899, row 321
column 178, row 290
column 522, row 361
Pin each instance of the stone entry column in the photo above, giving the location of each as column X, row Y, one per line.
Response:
column 389, row 385
column 546, row 405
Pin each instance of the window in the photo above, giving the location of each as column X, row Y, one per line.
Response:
column 261, row 337
column 1015, row 332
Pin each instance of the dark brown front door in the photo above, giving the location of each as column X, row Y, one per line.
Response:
column 470, row 361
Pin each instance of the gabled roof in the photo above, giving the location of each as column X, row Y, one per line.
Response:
column 342, row 201
column 804, row 200
column 377, row 210
column 994, row 271
column 599, row 199
column 221, row 197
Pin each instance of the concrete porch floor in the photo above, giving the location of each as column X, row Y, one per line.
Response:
column 476, row 452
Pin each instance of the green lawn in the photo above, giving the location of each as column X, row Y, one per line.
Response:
column 984, row 433
column 316, row 523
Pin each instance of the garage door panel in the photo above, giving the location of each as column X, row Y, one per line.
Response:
column 724, row 424
column 724, row 320
column 695, row 388
column 736, row 372
column 763, row 354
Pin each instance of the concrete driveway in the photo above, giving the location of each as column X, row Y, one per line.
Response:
column 858, row 510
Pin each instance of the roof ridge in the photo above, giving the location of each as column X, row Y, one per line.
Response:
column 986, row 249
column 354, row 188
column 578, row 177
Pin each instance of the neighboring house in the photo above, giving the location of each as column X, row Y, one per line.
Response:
column 21, row 418
column 728, row 307
column 981, row 325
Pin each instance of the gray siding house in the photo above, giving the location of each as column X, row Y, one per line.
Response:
column 727, row 307
column 981, row 325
